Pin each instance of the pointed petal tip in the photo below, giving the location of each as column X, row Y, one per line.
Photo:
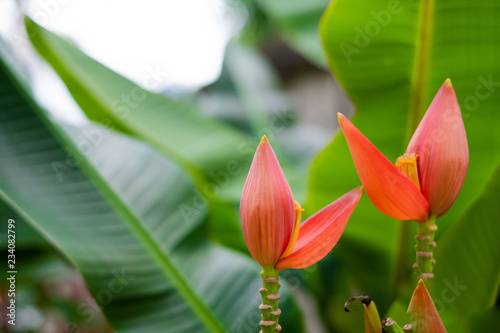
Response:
column 265, row 145
column 356, row 192
column 420, row 285
column 447, row 87
column 440, row 141
column 424, row 311
column 388, row 188
column 345, row 124
column 340, row 117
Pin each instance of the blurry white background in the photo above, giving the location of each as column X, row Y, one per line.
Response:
column 183, row 42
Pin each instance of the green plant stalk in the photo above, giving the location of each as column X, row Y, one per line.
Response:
column 402, row 261
column 390, row 326
column 425, row 248
column 270, row 300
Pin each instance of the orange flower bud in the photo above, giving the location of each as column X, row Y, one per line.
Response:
column 271, row 218
column 424, row 311
column 427, row 179
column 267, row 208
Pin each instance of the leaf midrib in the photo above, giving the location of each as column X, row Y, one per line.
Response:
column 420, row 66
column 45, row 47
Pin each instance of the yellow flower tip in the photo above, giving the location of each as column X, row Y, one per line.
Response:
column 298, row 207
column 447, row 83
column 424, row 312
column 407, row 164
column 407, row 158
column 264, row 139
column 340, row 116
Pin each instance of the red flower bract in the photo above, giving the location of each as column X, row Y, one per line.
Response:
column 426, row 180
column 271, row 218
column 267, row 207
column 424, row 311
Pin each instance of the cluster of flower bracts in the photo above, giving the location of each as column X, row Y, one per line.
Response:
column 421, row 186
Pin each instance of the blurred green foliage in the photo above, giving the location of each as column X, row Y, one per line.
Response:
column 141, row 250
column 152, row 186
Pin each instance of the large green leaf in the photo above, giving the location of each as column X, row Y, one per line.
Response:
column 467, row 273
column 217, row 155
column 393, row 79
column 116, row 209
column 270, row 112
column 468, row 270
column 297, row 21
column 28, row 238
column 391, row 57
column 208, row 148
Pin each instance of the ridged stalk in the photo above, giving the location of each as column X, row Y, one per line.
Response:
column 390, row 326
column 425, row 248
column 270, row 300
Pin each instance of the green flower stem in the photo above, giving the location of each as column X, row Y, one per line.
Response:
column 390, row 326
column 270, row 300
column 425, row 247
column 402, row 262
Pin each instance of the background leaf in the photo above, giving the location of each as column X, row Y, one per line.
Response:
column 391, row 58
column 468, row 274
column 204, row 146
column 182, row 132
column 123, row 226
column 297, row 22
column 29, row 237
